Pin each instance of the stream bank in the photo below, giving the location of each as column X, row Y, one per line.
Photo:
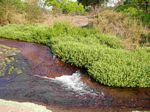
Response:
column 63, row 87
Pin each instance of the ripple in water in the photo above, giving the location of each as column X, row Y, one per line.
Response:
column 74, row 83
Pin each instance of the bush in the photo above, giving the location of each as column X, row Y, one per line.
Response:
column 130, row 70
column 16, row 12
column 33, row 13
column 130, row 10
column 82, row 54
column 66, row 32
column 10, row 12
column 30, row 33
column 73, row 8
column 66, row 6
column 146, row 19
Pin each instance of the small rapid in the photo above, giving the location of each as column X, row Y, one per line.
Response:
column 73, row 83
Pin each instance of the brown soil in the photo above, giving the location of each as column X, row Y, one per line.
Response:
column 75, row 20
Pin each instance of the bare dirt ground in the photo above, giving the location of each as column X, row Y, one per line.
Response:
column 75, row 20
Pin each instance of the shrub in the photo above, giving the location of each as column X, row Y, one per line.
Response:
column 73, row 8
column 130, row 10
column 30, row 33
column 130, row 70
column 10, row 12
column 82, row 54
column 66, row 6
column 33, row 13
column 146, row 19
column 16, row 11
column 133, row 11
column 66, row 32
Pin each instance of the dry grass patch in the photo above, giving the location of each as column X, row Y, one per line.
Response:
column 118, row 24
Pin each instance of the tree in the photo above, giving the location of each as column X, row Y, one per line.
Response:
column 66, row 6
column 139, row 4
column 91, row 2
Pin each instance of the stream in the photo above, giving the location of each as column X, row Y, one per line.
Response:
column 62, row 87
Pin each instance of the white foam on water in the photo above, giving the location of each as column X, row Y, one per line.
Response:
column 73, row 82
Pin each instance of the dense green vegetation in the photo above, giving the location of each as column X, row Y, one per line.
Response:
column 66, row 6
column 102, row 55
column 91, row 2
column 123, row 69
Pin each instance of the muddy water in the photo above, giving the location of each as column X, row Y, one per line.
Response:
column 65, row 88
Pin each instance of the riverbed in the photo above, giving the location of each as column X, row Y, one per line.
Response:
column 62, row 87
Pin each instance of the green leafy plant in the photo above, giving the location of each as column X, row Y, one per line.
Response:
column 66, row 6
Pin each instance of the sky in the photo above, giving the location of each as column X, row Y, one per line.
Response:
column 112, row 3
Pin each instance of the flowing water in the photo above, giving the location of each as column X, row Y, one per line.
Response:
column 64, row 88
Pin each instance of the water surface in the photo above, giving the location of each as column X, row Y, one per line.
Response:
column 64, row 88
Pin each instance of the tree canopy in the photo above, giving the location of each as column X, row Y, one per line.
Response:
column 140, row 4
column 91, row 2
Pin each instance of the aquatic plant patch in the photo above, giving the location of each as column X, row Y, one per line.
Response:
column 10, row 66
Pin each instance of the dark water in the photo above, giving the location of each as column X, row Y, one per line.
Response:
column 49, row 81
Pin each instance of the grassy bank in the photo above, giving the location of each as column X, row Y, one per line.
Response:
column 102, row 55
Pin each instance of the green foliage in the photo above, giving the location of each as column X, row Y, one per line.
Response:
column 73, row 7
column 30, row 33
column 138, row 9
column 125, row 70
column 82, row 54
column 100, row 54
column 129, row 10
column 146, row 19
column 139, row 4
column 64, row 32
column 91, row 2
column 66, row 6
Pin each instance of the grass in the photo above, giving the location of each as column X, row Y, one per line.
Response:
column 130, row 30
column 103, row 56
